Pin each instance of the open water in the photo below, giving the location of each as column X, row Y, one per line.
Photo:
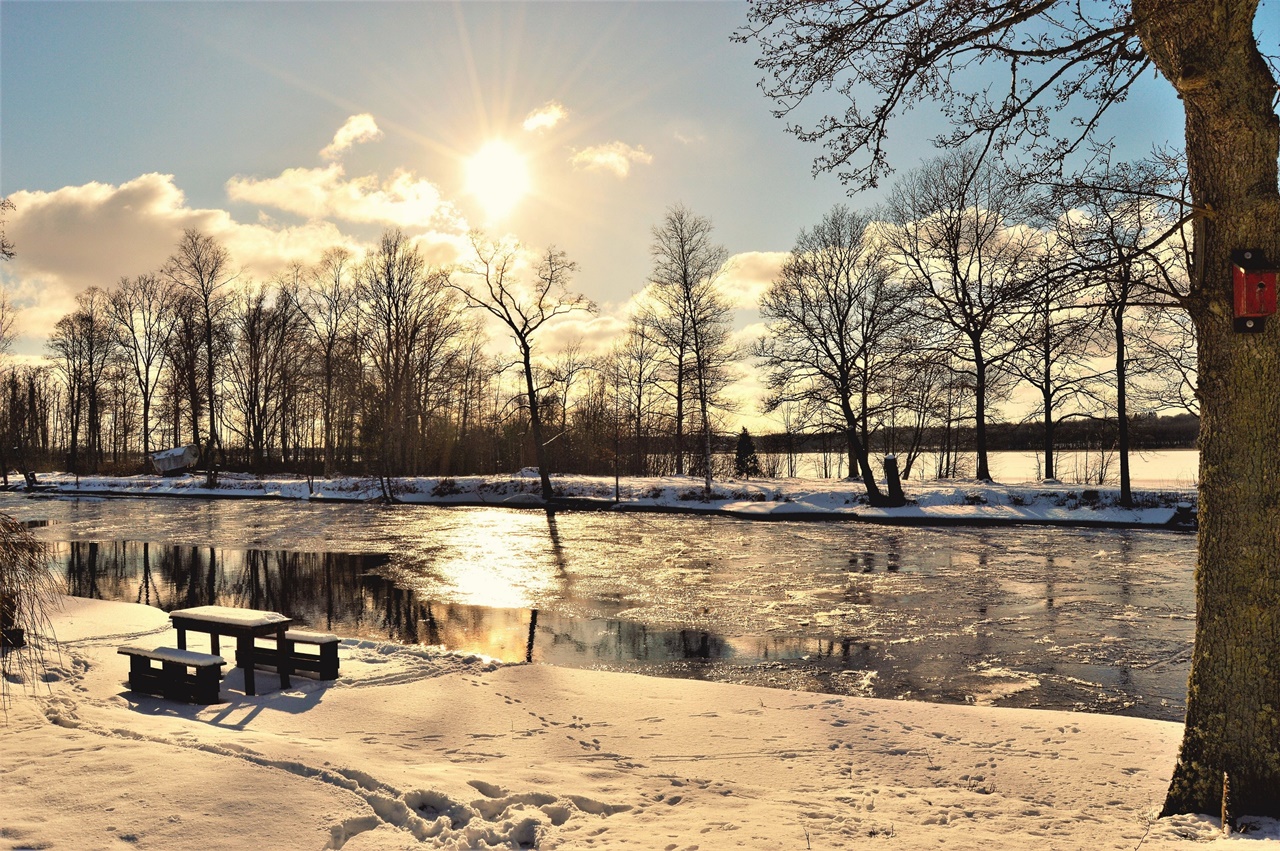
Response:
column 1097, row 620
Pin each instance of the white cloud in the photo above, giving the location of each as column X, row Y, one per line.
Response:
column 614, row 157
column 546, row 116
column 747, row 276
column 315, row 193
column 268, row 248
column 94, row 234
column 357, row 130
column 595, row 334
column 80, row 236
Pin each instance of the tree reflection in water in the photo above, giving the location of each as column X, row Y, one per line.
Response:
column 349, row 594
column 1093, row 619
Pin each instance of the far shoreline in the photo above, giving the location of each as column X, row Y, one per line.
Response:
column 943, row 503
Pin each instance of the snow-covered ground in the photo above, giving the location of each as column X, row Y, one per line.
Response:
column 413, row 748
column 954, row 501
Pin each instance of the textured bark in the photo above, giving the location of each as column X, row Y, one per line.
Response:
column 1207, row 50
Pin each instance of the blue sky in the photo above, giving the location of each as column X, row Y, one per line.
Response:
column 121, row 123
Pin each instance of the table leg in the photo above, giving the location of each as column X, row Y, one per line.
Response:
column 213, row 644
column 244, row 658
column 182, row 639
column 284, row 662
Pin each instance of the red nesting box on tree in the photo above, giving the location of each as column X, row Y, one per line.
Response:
column 1254, row 282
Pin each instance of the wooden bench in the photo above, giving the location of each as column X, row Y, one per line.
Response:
column 323, row 662
column 181, row 675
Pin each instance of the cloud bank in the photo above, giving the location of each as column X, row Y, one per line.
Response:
column 94, row 234
column 403, row 200
column 746, row 276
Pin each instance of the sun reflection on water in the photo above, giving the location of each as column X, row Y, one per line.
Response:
column 496, row 557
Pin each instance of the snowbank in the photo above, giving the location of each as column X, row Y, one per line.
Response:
column 932, row 503
column 414, row 748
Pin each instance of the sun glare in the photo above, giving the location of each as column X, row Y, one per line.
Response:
column 498, row 177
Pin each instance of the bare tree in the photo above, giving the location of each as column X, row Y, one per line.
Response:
column 183, row 381
column 6, row 247
column 329, row 310
column 265, row 331
column 141, row 309
column 1058, row 344
column 1165, row 340
column 952, row 230
column 1165, row 336
column 84, row 343
column 1112, row 239
column 686, row 264
column 916, row 401
column 899, row 53
column 524, row 309
column 563, row 370
column 8, row 318
column 690, row 319
column 831, row 313
column 7, row 334
column 474, row 372
column 200, row 267
column 68, row 344
column 411, row 318
column 638, row 368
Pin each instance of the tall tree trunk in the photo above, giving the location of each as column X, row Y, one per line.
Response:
column 706, row 435
column 983, row 473
column 1046, row 395
column 146, row 430
column 865, row 404
column 1047, row 445
column 680, row 416
column 1207, row 50
column 535, row 425
column 859, row 462
column 1122, row 408
column 328, row 417
column 215, row 440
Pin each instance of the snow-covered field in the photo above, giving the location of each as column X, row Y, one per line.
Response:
column 417, row 748
column 412, row 748
column 935, row 502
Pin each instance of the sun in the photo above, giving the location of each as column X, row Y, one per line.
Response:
column 498, row 176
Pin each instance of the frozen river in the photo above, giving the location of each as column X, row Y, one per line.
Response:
column 1099, row 620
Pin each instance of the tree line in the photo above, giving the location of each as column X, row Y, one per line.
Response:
column 895, row 331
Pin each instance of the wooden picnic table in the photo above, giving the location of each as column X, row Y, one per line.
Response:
column 244, row 625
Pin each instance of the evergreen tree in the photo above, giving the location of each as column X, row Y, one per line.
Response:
column 745, row 462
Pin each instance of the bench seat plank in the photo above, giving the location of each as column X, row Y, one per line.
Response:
column 303, row 636
column 173, row 654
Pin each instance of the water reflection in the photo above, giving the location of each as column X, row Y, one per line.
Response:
column 346, row 593
column 1063, row 618
column 322, row 590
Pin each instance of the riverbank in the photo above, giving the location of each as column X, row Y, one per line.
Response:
column 414, row 748
column 952, row 502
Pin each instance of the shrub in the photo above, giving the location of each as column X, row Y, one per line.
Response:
column 446, row 487
column 27, row 596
